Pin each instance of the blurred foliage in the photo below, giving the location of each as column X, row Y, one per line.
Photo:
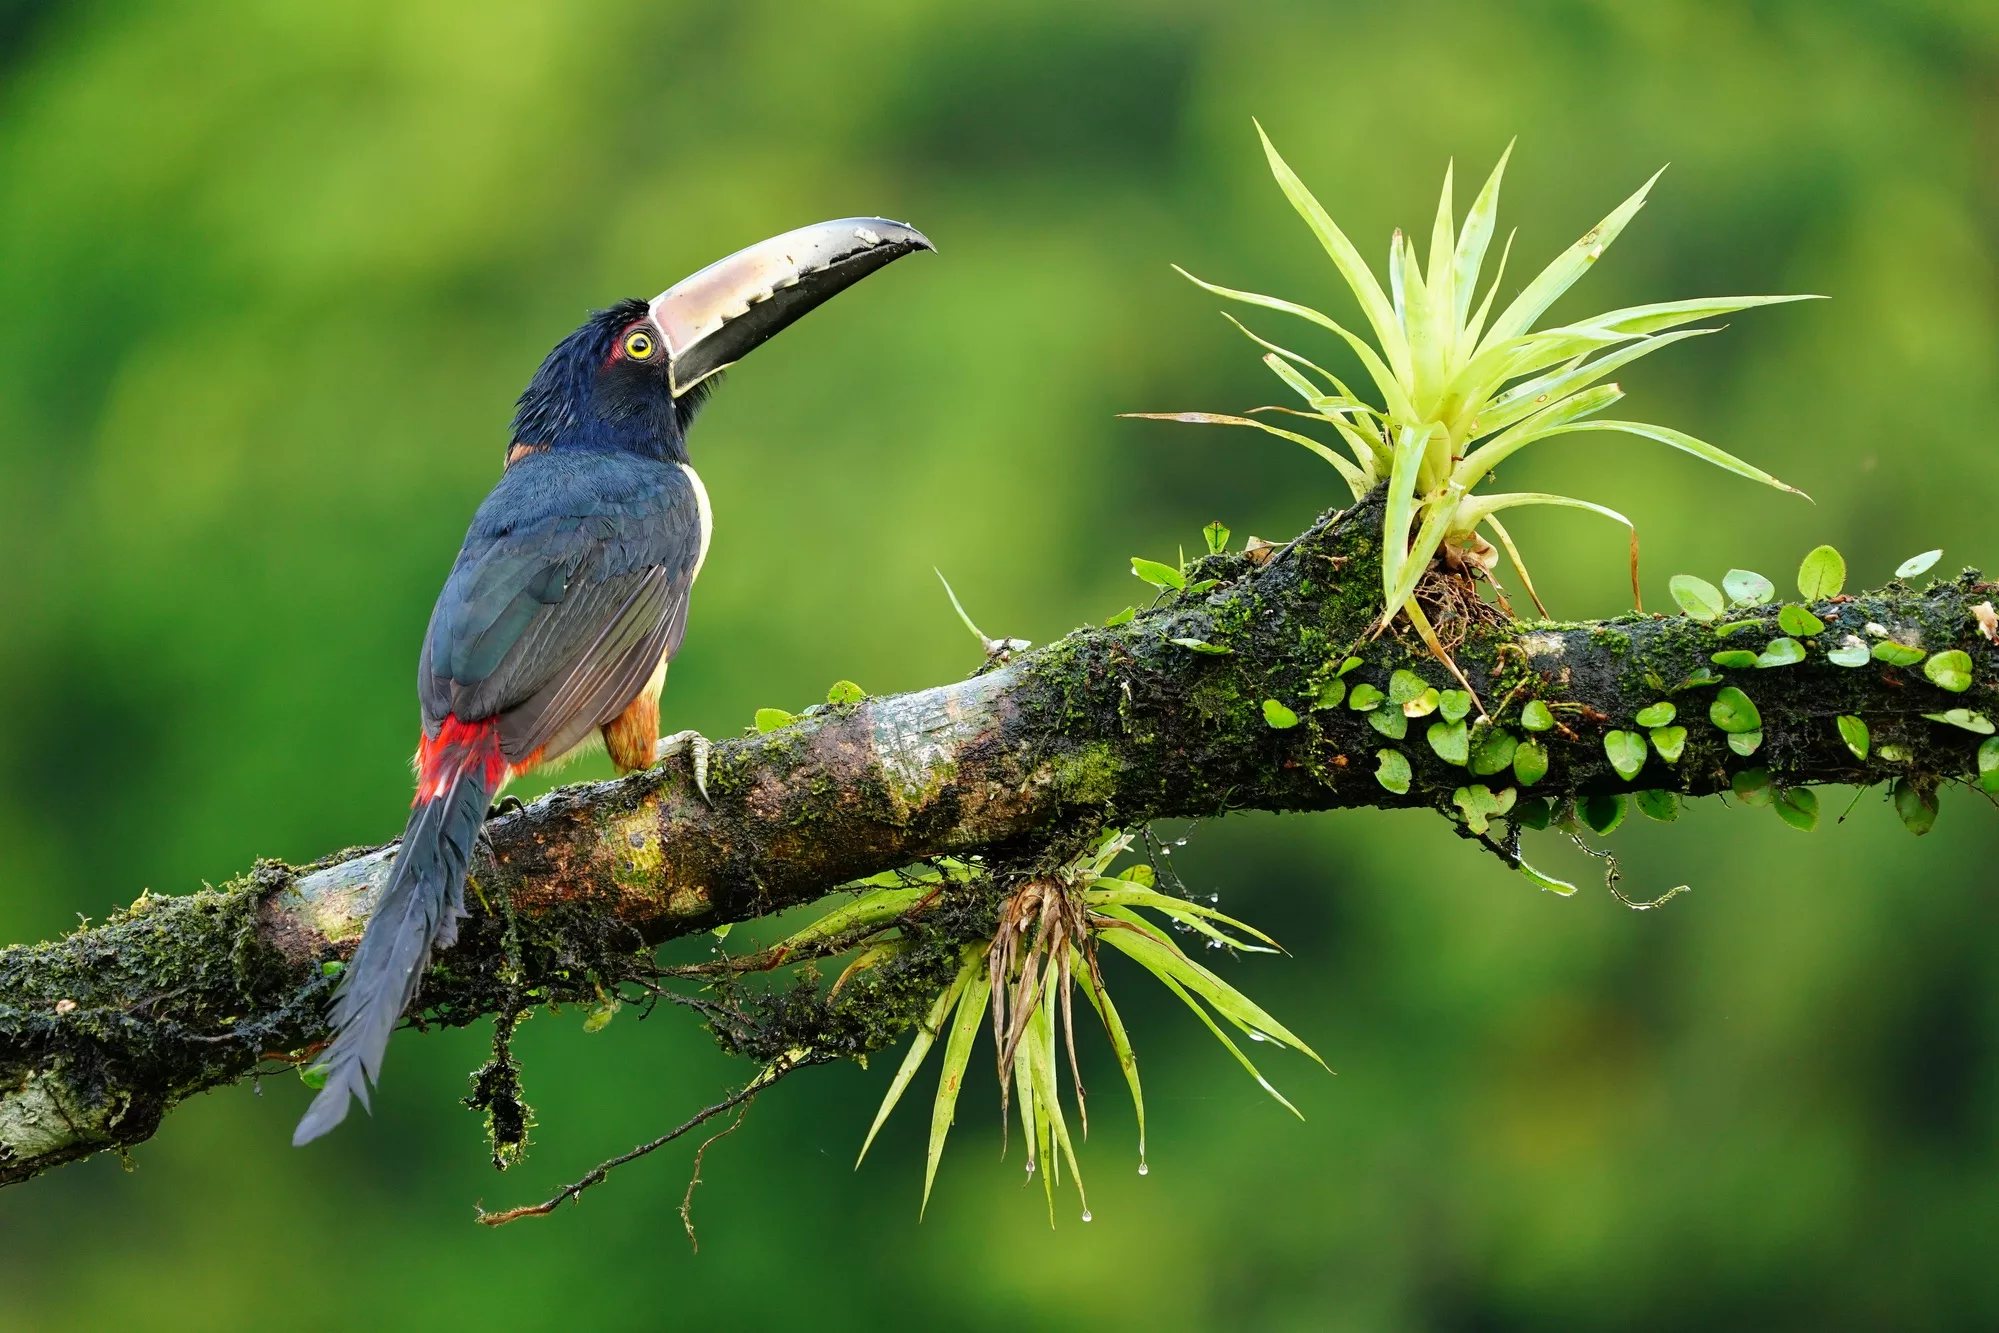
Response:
column 270, row 276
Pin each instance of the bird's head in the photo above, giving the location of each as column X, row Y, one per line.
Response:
column 633, row 375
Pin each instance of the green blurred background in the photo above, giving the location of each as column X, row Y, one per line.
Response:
column 271, row 275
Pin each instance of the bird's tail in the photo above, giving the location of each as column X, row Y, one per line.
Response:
column 457, row 773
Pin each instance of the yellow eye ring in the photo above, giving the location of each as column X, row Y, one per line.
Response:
column 638, row 345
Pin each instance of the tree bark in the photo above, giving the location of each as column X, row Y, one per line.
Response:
column 103, row 1032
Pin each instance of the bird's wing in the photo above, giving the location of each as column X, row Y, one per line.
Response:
column 572, row 584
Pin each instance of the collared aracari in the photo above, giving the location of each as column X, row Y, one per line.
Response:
column 570, row 594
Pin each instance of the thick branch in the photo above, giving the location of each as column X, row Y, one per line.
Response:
column 103, row 1032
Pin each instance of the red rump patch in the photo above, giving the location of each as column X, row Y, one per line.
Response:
column 458, row 747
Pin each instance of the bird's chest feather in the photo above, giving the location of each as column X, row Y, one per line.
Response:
column 707, row 516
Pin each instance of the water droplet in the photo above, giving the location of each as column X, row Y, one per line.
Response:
column 1180, row 842
column 1214, row 897
column 1166, row 851
column 1258, row 1036
column 1030, row 1166
column 1086, row 1216
column 1144, row 1170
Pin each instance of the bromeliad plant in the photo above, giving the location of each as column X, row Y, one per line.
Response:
column 1023, row 980
column 1463, row 391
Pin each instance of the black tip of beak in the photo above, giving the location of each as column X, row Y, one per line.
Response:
column 721, row 314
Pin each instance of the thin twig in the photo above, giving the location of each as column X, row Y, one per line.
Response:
column 771, row 1074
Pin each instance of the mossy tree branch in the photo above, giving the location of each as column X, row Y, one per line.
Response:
column 103, row 1032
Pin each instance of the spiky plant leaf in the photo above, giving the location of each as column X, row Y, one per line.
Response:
column 1100, row 1000
column 1108, row 892
column 919, row 1048
column 1460, row 395
column 951, row 1078
column 1163, row 958
column 1357, row 481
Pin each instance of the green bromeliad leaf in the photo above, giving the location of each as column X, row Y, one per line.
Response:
column 1458, row 390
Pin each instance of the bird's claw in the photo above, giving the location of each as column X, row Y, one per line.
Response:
column 509, row 804
column 696, row 746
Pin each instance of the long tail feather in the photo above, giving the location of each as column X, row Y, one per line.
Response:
column 420, row 907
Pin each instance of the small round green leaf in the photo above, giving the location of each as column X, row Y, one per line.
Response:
column 1278, row 716
column 1669, row 742
column 1798, row 807
column 1892, row 753
column 1492, row 752
column 1203, row 646
column 1123, row 617
column 1797, row 621
column 1917, row 564
column 1748, row 589
column 1752, row 786
column 1390, row 722
column 1530, row 762
column 1822, row 574
column 1916, row 805
column 1161, row 576
column 1950, row 670
column 845, row 692
column 1422, row 705
column 1734, row 657
column 1626, row 750
column 1658, row 715
column 1854, row 732
column 1391, row 770
column 1988, row 764
column 1364, row 697
column 1852, row 652
column 1330, row 694
column 1536, row 716
column 1733, row 711
column 1663, row 806
column 1347, row 666
column 770, row 719
column 1697, row 597
column 313, row 1076
column 1781, row 652
column 1602, row 813
column 1218, row 537
column 1745, row 743
column 1404, row 686
column 1964, row 717
column 1454, row 704
column 1723, row 631
column 1532, row 813
column 1478, row 804
column 1701, row 677
column 1451, row 741
column 1897, row 654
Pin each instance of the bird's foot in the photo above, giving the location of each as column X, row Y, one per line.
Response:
column 509, row 804
column 695, row 746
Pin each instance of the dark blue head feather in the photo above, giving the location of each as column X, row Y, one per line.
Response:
column 581, row 398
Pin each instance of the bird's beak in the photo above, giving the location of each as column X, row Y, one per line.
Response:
column 717, row 317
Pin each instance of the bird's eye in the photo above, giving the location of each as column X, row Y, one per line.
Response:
column 638, row 345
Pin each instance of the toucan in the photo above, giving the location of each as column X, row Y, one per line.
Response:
column 569, row 596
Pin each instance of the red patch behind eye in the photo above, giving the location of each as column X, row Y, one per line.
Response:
column 618, row 344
